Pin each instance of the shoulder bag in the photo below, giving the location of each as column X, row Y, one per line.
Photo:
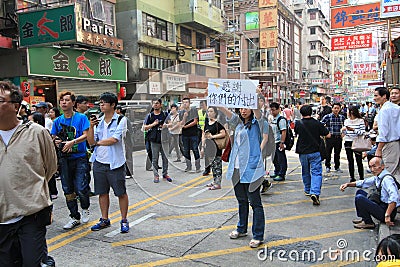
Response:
column 361, row 143
column 221, row 142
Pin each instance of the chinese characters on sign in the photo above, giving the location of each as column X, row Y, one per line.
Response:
column 268, row 38
column 267, row 3
column 268, row 18
column 364, row 68
column 175, row 82
column 390, row 8
column 351, row 16
column 351, row 42
column 232, row 93
column 320, row 81
column 47, row 26
column 338, row 3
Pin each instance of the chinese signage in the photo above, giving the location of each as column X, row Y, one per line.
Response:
column 338, row 3
column 268, row 18
column 252, row 21
column 269, row 38
column 368, row 76
column 338, row 77
column 390, row 8
column 154, row 88
column 267, row 3
column 80, row 64
column 351, row 16
column 232, row 93
column 47, row 26
column 205, row 54
column 100, row 40
column 364, row 68
column 320, row 81
column 175, row 82
column 351, row 42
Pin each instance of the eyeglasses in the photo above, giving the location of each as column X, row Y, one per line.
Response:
column 6, row 101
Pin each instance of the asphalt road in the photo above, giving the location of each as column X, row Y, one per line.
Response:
column 184, row 224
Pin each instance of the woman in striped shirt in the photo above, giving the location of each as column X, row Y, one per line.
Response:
column 353, row 126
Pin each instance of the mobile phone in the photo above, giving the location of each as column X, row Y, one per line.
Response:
column 93, row 117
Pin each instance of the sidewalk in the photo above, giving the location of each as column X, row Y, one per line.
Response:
column 385, row 230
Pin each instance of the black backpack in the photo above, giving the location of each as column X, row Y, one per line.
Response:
column 289, row 140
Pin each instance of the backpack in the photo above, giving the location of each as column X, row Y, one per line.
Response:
column 269, row 147
column 289, row 140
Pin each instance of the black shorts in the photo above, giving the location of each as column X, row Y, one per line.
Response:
column 104, row 178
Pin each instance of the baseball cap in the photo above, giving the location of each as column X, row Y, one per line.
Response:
column 41, row 105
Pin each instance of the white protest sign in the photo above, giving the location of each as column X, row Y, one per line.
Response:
column 232, row 93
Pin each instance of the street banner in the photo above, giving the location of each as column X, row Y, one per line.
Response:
column 351, row 42
column 232, row 93
column 352, row 16
column 390, row 8
column 73, row 63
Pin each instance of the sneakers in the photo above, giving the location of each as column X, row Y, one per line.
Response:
column 72, row 223
column 315, row 200
column 266, row 186
column 85, row 216
column 103, row 223
column 307, row 194
column 124, row 226
column 279, row 178
column 167, row 178
column 357, row 221
column 352, row 180
column 156, row 179
column 338, row 170
column 328, row 170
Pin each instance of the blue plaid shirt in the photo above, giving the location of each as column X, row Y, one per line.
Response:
column 334, row 123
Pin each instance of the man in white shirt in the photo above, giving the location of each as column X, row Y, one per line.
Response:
column 388, row 120
column 42, row 107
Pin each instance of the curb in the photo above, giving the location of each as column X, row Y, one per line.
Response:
column 385, row 230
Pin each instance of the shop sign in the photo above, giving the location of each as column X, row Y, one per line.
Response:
column 268, row 18
column 368, row 76
column 56, row 25
column 390, row 8
column 175, row 82
column 268, row 38
column 320, row 81
column 6, row 42
column 79, row 64
column 154, row 88
column 232, row 93
column 351, row 42
column 267, row 3
column 365, row 68
column 97, row 27
column 100, row 40
column 338, row 3
column 205, row 54
column 352, row 16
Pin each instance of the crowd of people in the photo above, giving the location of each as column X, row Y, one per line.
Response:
column 77, row 147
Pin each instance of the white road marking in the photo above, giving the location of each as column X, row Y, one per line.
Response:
column 117, row 231
column 198, row 192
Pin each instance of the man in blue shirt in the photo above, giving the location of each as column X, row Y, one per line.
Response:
column 69, row 132
column 109, row 160
column 386, row 210
column 334, row 122
column 279, row 126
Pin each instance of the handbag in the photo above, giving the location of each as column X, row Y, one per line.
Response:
column 361, row 143
column 227, row 151
column 222, row 142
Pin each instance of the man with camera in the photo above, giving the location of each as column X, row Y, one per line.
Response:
column 69, row 133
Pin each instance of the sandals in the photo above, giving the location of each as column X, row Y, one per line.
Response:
column 215, row 187
column 235, row 234
column 255, row 243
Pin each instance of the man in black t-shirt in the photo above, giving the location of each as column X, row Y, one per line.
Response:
column 189, row 120
column 324, row 109
column 309, row 131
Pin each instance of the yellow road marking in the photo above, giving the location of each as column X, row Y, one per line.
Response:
column 235, row 209
column 272, row 193
column 245, row 248
column 157, row 200
column 226, row 227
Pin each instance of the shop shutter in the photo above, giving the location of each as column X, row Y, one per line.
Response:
column 86, row 88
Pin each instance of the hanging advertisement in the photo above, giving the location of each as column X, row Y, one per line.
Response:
column 267, row 3
column 268, row 38
column 351, row 42
column 352, row 16
column 252, row 21
column 268, row 18
column 390, row 8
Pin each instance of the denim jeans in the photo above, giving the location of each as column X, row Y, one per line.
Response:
column 311, row 172
column 74, row 181
column 156, row 149
column 244, row 197
column 280, row 162
column 365, row 208
column 190, row 143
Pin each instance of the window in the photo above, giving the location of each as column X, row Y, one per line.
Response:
column 97, row 9
column 312, row 61
column 313, row 15
column 214, row 43
column 200, row 70
column 312, row 30
column 217, row 3
column 157, row 28
column 200, row 41
column 299, row 13
column 185, row 68
column 186, row 36
column 313, row 46
column 157, row 63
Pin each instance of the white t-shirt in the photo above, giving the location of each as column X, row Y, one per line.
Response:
column 6, row 136
column 48, row 123
column 102, row 151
